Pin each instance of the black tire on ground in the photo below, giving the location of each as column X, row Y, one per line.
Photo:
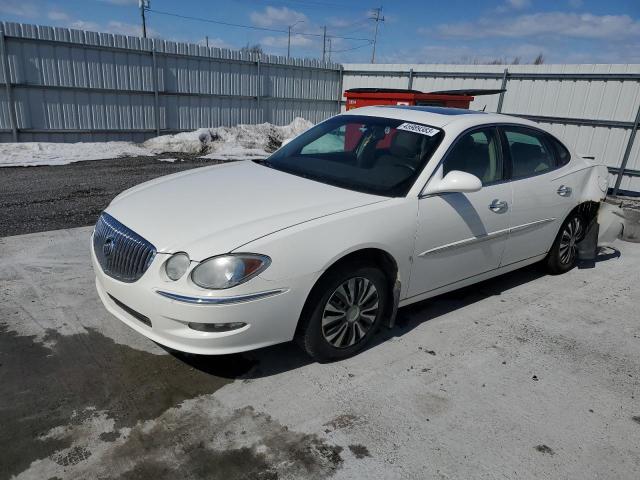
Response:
column 563, row 255
column 362, row 293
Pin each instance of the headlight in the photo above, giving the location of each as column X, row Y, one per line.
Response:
column 177, row 265
column 227, row 271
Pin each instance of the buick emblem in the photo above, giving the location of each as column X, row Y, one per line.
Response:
column 107, row 248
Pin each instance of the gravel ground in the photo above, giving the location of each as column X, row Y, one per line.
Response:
column 524, row 376
column 37, row 199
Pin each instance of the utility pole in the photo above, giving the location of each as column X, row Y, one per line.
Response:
column 289, row 38
column 329, row 57
column 378, row 18
column 144, row 5
column 324, row 42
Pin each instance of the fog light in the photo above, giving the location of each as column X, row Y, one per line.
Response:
column 177, row 265
column 216, row 327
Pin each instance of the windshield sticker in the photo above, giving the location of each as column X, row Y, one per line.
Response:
column 415, row 128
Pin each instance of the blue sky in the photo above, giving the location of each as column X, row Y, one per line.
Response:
column 414, row 31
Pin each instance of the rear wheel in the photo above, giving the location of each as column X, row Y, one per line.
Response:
column 343, row 312
column 564, row 253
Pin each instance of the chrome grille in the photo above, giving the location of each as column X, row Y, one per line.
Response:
column 121, row 252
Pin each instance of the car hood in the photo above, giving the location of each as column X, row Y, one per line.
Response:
column 213, row 210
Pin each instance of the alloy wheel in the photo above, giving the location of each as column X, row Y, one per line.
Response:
column 571, row 235
column 350, row 312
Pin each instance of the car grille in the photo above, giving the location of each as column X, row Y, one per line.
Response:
column 121, row 252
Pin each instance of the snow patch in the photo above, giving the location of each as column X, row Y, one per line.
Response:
column 41, row 153
column 221, row 143
column 229, row 143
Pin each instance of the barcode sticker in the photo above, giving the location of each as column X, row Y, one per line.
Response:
column 415, row 128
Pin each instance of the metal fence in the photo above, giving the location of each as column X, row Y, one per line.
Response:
column 595, row 108
column 72, row 85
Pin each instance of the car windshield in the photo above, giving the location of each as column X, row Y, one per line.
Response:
column 375, row 155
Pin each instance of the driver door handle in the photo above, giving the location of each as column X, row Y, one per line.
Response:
column 498, row 206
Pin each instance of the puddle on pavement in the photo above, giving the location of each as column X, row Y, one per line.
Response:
column 88, row 407
column 44, row 388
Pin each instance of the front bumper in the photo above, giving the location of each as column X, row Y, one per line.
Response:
column 269, row 319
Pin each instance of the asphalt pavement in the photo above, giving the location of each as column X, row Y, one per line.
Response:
column 38, row 199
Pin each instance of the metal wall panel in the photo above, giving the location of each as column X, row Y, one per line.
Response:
column 72, row 85
column 592, row 107
column 5, row 124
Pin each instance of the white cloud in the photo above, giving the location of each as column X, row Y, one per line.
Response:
column 281, row 41
column 18, row 8
column 272, row 16
column 58, row 16
column 574, row 25
column 112, row 26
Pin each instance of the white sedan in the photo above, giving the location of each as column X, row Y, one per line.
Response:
column 366, row 212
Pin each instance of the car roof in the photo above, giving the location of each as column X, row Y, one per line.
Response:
column 437, row 116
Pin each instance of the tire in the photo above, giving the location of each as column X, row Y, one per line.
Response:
column 333, row 325
column 563, row 255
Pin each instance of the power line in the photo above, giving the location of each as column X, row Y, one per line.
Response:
column 353, row 48
column 252, row 27
column 300, row 4
column 360, row 24
column 217, row 22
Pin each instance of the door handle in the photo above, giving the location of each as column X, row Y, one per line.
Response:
column 498, row 206
column 564, row 191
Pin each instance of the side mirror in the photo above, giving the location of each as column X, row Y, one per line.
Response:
column 454, row 181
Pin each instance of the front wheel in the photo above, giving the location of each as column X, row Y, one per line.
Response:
column 564, row 253
column 343, row 312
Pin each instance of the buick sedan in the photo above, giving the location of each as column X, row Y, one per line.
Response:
column 366, row 212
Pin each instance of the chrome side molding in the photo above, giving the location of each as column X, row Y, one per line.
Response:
column 487, row 236
column 467, row 241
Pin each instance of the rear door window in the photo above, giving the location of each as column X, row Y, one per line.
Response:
column 530, row 152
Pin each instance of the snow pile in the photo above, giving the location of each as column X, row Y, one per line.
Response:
column 222, row 143
column 229, row 143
